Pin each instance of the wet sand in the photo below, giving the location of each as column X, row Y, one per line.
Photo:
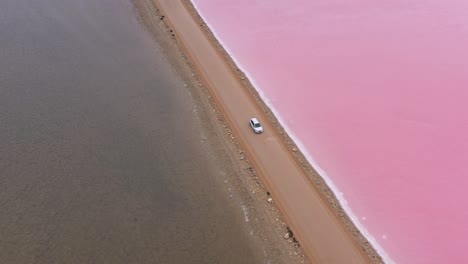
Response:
column 326, row 235
column 107, row 155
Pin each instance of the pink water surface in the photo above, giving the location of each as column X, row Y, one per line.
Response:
column 377, row 92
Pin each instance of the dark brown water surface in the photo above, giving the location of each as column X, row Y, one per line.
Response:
column 102, row 156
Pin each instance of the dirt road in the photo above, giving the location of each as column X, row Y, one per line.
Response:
column 322, row 235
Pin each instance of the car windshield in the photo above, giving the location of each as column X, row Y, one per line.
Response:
column 257, row 125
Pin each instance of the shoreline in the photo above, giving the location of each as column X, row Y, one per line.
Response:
column 262, row 221
column 359, row 246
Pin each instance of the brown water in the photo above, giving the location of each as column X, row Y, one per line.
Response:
column 103, row 157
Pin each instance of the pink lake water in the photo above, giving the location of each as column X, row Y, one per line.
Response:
column 377, row 93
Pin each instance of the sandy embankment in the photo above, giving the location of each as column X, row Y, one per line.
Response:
column 325, row 233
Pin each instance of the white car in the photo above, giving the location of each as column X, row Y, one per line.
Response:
column 256, row 126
